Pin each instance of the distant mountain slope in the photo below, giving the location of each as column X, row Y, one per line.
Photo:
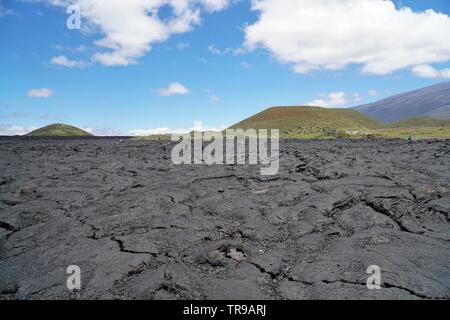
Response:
column 431, row 101
column 309, row 120
column 58, row 130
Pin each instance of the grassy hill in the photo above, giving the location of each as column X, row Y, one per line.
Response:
column 421, row 122
column 417, row 127
column 310, row 122
column 58, row 130
column 315, row 122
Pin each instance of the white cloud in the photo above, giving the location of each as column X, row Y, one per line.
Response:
column 157, row 131
column 235, row 51
column 63, row 61
column 373, row 93
column 154, row 131
column 182, row 45
column 246, row 65
column 15, row 130
column 6, row 12
column 215, row 99
column 81, row 48
column 213, row 49
column 2, row 10
column 356, row 97
column 173, row 89
column 335, row 100
column 332, row 34
column 40, row 93
column 103, row 132
column 215, row 5
column 427, row 71
column 131, row 27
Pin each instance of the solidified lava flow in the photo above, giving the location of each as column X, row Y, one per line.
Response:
column 140, row 227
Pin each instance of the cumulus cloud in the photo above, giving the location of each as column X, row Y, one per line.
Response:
column 182, row 45
column 198, row 126
column 5, row 11
column 234, row 51
column 103, row 132
column 15, row 130
column 427, row 71
column 214, row 98
column 335, row 100
column 155, row 131
column 40, row 93
column 79, row 49
column 131, row 27
column 2, row 10
column 173, row 88
column 373, row 93
column 215, row 5
column 63, row 61
column 246, row 65
column 332, row 34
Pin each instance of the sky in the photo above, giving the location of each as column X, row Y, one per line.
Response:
column 135, row 67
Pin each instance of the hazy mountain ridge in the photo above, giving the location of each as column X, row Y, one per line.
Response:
column 433, row 101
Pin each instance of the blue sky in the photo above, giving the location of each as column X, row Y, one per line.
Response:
column 232, row 59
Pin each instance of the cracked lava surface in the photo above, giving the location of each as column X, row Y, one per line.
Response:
column 140, row 227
